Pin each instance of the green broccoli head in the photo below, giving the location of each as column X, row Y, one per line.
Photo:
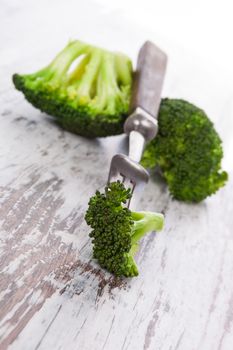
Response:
column 90, row 99
column 188, row 150
column 117, row 230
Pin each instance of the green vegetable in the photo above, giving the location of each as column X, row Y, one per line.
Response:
column 117, row 230
column 90, row 99
column 188, row 150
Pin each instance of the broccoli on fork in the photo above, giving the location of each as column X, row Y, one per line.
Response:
column 91, row 99
column 117, row 230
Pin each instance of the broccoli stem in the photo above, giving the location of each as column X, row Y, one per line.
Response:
column 107, row 88
column 123, row 69
column 58, row 68
column 145, row 222
column 62, row 62
column 85, row 86
column 77, row 73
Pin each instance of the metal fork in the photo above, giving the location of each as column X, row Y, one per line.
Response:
column 141, row 125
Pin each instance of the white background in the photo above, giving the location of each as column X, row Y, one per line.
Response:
column 202, row 26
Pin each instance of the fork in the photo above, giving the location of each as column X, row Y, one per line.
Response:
column 141, row 125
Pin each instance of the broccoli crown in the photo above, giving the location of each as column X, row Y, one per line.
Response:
column 117, row 230
column 87, row 88
column 188, row 150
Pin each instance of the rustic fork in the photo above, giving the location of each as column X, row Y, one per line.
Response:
column 141, row 125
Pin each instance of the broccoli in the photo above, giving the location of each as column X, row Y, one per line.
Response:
column 90, row 99
column 188, row 150
column 117, row 230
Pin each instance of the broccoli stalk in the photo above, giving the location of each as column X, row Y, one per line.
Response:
column 91, row 99
column 56, row 72
column 144, row 222
column 117, row 230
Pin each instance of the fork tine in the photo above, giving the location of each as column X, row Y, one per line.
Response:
column 129, row 184
column 122, row 164
column 129, row 172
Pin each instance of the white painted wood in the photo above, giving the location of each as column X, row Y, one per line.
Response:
column 52, row 295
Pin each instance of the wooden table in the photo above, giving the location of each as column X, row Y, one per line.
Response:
column 53, row 295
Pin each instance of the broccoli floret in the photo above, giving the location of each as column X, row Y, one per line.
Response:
column 90, row 99
column 117, row 230
column 188, row 150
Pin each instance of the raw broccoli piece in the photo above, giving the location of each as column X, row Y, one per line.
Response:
column 117, row 230
column 188, row 150
column 90, row 99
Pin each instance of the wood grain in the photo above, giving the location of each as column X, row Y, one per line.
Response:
column 52, row 294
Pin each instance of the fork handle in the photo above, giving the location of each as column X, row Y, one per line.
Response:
column 136, row 145
column 147, row 88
